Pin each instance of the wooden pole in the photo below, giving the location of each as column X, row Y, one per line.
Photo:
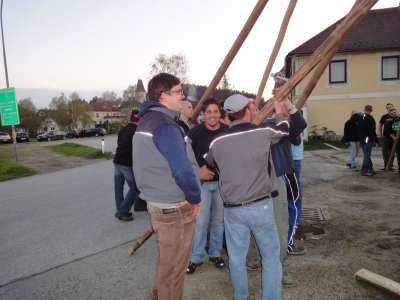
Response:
column 378, row 281
column 275, row 50
column 391, row 157
column 319, row 70
column 231, row 55
column 359, row 10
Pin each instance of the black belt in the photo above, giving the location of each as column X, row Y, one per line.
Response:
column 246, row 203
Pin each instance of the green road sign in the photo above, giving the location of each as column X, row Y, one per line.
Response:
column 8, row 107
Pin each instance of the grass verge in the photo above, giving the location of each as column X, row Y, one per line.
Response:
column 317, row 144
column 10, row 170
column 72, row 149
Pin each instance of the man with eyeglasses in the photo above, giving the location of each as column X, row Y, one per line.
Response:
column 167, row 177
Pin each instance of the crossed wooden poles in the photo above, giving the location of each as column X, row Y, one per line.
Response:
column 318, row 60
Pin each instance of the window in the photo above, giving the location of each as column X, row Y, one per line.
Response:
column 97, row 115
column 338, row 71
column 390, row 67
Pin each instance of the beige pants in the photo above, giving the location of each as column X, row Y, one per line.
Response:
column 174, row 229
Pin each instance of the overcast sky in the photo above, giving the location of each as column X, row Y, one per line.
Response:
column 98, row 45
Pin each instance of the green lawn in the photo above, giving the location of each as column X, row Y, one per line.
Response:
column 10, row 170
column 72, row 149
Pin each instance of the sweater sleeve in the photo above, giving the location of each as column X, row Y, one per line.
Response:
column 169, row 141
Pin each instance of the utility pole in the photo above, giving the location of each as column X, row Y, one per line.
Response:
column 14, row 136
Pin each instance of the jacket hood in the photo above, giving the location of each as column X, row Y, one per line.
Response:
column 144, row 108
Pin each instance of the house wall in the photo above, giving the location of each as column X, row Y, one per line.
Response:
column 330, row 104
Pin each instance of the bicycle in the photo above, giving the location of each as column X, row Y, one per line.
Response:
column 322, row 134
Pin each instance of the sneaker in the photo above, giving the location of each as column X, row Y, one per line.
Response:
column 348, row 165
column 253, row 264
column 192, row 267
column 218, row 261
column 296, row 250
column 368, row 173
column 127, row 217
column 287, row 279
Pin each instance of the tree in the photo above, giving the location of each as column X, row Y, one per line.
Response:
column 79, row 111
column 60, row 111
column 176, row 64
column 225, row 89
column 29, row 118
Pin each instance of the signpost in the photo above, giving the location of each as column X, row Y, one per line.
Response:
column 8, row 107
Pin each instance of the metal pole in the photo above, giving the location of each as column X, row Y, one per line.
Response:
column 14, row 136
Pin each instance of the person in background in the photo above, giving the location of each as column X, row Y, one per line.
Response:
column 350, row 136
column 185, row 115
column 168, row 180
column 390, row 131
column 123, row 172
column 224, row 117
column 211, row 215
column 367, row 136
column 386, row 142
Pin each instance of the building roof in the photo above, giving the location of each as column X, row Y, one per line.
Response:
column 378, row 30
column 140, row 87
column 102, row 106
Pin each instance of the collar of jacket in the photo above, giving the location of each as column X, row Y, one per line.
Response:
column 174, row 115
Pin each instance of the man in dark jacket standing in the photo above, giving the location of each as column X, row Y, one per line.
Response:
column 367, row 137
column 168, row 180
column 350, row 136
column 123, row 172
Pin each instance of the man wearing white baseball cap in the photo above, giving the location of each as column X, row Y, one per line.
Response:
column 242, row 157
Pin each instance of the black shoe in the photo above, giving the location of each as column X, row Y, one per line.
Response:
column 218, row 261
column 192, row 267
column 141, row 208
column 348, row 165
column 127, row 217
column 383, row 169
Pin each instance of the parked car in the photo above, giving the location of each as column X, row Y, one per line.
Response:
column 96, row 132
column 51, row 135
column 5, row 137
column 22, row 137
column 71, row 134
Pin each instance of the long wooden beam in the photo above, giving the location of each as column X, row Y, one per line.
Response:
column 231, row 54
column 359, row 10
column 275, row 50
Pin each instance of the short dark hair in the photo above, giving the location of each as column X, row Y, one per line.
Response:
column 389, row 104
column 160, row 83
column 208, row 102
column 239, row 114
column 368, row 108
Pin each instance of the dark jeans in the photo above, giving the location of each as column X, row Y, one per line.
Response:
column 121, row 174
column 367, row 165
column 387, row 145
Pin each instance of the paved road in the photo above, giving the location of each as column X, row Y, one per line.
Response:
column 59, row 238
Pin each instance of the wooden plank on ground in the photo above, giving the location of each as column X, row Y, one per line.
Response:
column 333, row 147
column 378, row 281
